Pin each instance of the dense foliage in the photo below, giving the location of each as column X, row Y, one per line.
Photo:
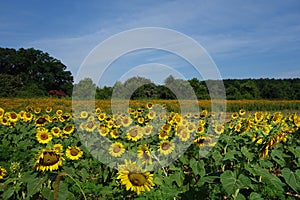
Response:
column 31, row 72
column 236, row 89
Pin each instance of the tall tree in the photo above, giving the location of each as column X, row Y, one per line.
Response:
column 34, row 67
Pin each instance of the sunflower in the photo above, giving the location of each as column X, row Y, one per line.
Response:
column 101, row 116
column 97, row 111
column 68, row 129
column 200, row 129
column 163, row 135
column 191, row 127
column 202, row 141
column 242, row 112
column 42, row 120
column 134, row 178
column 149, row 105
column 234, row 115
column 166, row 127
column 135, row 133
column 73, row 152
column 48, row 159
column 148, row 129
column 13, row 117
column 58, row 147
column 65, row 117
column 48, row 109
column 14, row 166
column 151, row 115
column 2, row 172
column 43, row 135
column 22, row 114
column 258, row 116
column 199, row 141
column 126, row 121
column 84, row 114
column 264, row 153
column 277, row 117
column 144, row 154
column 4, row 121
column 177, row 119
column 141, row 120
column 116, row 149
column 114, row 133
column 103, row 130
column 184, row 135
column 59, row 112
column 56, row 131
column 166, row 147
column 1, row 112
column 238, row 127
column 90, row 126
column 203, row 113
column 219, row 129
column 37, row 110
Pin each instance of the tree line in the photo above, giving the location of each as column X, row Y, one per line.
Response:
column 236, row 89
column 33, row 73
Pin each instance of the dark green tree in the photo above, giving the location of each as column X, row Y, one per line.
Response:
column 36, row 69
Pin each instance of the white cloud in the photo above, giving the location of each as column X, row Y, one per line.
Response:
column 226, row 30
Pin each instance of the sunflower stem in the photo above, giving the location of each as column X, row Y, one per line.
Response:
column 164, row 170
column 77, row 185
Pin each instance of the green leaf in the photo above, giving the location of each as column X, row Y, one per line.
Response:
column 8, row 193
column 255, row 196
column 47, row 193
column 246, row 153
column 64, row 192
column 268, row 178
column 157, row 181
column 229, row 182
column 184, row 159
column 245, row 181
column 33, row 186
column 240, row 197
column 179, row 177
column 197, row 167
column 277, row 156
column 83, row 173
column 292, row 179
column 217, row 157
column 231, row 155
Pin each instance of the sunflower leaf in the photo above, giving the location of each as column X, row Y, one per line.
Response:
column 34, row 185
column 292, row 179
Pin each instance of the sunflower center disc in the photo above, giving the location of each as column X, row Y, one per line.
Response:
column 44, row 136
column 133, row 133
column 165, row 146
column 116, row 149
column 74, row 152
column 49, row 159
column 137, row 179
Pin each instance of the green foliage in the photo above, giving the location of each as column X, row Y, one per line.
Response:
column 25, row 70
column 85, row 89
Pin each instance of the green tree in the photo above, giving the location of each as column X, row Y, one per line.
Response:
column 34, row 67
column 85, row 89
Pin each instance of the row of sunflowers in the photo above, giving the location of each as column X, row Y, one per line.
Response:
column 148, row 153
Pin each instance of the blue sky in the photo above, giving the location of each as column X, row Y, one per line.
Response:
column 245, row 39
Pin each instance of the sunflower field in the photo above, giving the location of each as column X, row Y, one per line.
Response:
column 47, row 151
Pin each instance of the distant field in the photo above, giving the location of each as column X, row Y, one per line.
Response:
column 172, row 105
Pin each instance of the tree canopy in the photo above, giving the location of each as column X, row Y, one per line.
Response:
column 31, row 72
